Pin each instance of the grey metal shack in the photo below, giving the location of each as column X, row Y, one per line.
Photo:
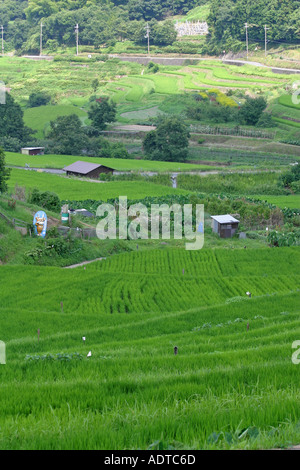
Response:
column 87, row 169
column 224, row 225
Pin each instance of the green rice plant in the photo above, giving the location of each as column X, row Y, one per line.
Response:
column 286, row 100
column 163, row 83
column 225, row 75
column 286, row 122
column 39, row 118
column 60, row 161
column 291, row 201
column 132, row 309
column 78, row 189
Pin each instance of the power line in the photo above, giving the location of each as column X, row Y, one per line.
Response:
column 275, row 41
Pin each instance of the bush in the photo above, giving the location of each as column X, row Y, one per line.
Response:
column 251, row 111
column 10, row 144
column 38, row 99
column 279, row 239
column 295, row 186
column 152, row 67
column 105, row 177
column 266, row 120
column 47, row 200
column 292, row 176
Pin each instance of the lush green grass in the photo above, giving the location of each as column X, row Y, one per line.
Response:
column 287, row 100
column 226, row 75
column 232, row 183
column 291, row 202
column 287, row 122
column 60, row 161
column 39, row 118
column 133, row 309
column 198, row 13
column 165, row 84
column 279, row 110
column 76, row 189
column 141, row 114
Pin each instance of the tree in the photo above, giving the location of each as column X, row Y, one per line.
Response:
column 38, row 9
column 67, row 135
column 12, row 124
column 164, row 33
column 290, row 177
column 101, row 112
column 227, row 19
column 38, row 99
column 95, row 85
column 11, row 119
column 252, row 110
column 169, row 142
column 4, row 173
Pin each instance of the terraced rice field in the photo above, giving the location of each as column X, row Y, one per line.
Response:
column 175, row 79
column 232, row 383
column 60, row 161
column 291, row 202
column 285, row 111
column 73, row 188
column 39, row 118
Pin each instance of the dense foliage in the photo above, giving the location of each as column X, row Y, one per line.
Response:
column 291, row 179
column 105, row 22
column 169, row 142
column 4, row 173
column 228, row 17
column 46, row 199
column 38, row 99
column 101, row 22
column 101, row 112
column 13, row 131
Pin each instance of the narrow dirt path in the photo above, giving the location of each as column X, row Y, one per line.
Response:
column 72, row 266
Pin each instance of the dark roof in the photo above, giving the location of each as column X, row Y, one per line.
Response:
column 83, row 167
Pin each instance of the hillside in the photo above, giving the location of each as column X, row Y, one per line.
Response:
column 105, row 24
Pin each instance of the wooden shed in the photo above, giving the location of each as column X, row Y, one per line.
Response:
column 224, row 225
column 87, row 169
column 32, row 150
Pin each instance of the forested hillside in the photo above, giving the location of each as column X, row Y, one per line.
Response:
column 228, row 17
column 104, row 22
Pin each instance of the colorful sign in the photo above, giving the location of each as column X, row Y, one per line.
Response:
column 40, row 224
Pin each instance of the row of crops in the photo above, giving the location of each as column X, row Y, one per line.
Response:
column 155, row 281
column 232, row 383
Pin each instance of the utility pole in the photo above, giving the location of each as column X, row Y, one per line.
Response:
column 2, row 41
column 247, row 43
column 41, row 39
column 266, row 40
column 77, row 32
column 148, row 36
